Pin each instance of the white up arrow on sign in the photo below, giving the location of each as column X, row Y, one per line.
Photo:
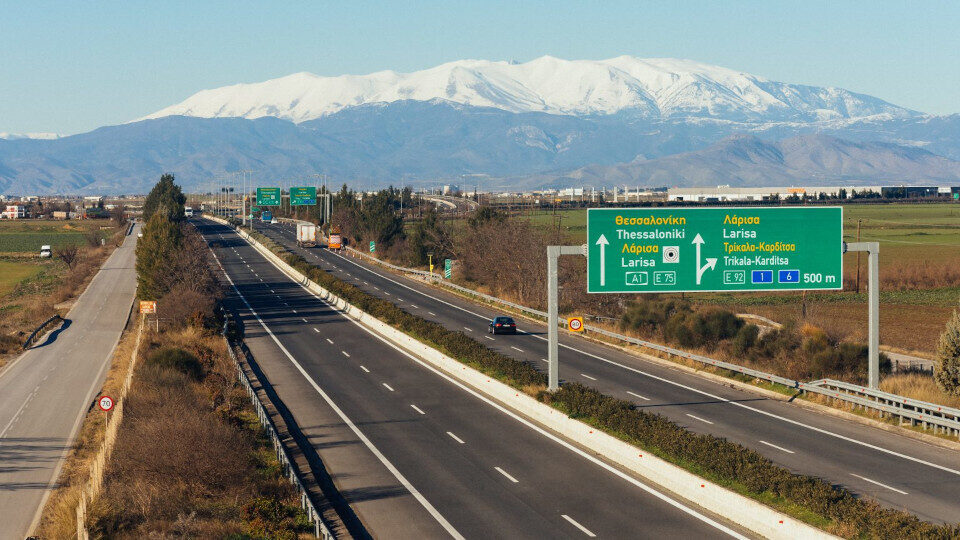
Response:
column 602, row 242
column 711, row 262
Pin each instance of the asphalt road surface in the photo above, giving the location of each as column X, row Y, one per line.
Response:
column 898, row 471
column 416, row 454
column 46, row 392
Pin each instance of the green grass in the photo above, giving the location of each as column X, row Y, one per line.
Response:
column 26, row 236
column 13, row 272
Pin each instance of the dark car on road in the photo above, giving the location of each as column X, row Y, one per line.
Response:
column 502, row 325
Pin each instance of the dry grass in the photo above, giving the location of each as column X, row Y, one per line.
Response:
column 59, row 515
column 918, row 386
column 191, row 459
column 907, row 327
column 32, row 301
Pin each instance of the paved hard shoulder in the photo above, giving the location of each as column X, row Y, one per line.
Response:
column 45, row 393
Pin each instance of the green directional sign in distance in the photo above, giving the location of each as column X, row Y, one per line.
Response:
column 268, row 196
column 714, row 249
column 447, row 268
column 303, row 196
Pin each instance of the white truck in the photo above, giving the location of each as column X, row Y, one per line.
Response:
column 306, row 235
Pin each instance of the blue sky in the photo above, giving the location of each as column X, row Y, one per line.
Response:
column 72, row 66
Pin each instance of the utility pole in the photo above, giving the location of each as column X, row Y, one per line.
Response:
column 858, row 256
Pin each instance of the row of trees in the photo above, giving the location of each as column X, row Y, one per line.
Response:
column 172, row 259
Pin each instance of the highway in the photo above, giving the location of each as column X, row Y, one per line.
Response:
column 46, row 392
column 898, row 471
column 416, row 454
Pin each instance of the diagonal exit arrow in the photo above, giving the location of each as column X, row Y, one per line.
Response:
column 711, row 261
column 603, row 243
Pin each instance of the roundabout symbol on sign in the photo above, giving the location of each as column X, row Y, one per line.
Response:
column 105, row 403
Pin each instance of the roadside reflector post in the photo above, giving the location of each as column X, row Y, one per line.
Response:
column 873, row 306
column 553, row 318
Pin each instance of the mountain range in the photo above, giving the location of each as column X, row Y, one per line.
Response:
column 544, row 123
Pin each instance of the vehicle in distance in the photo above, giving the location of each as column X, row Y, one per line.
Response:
column 187, row 211
column 266, row 216
column 502, row 325
column 306, row 234
column 336, row 240
column 45, row 251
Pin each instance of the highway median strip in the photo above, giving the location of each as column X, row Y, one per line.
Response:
column 728, row 464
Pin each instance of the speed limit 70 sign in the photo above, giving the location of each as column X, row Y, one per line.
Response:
column 105, row 403
column 575, row 324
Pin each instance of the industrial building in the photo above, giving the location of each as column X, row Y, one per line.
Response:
column 727, row 193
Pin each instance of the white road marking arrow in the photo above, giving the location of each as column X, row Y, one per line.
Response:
column 603, row 243
column 711, row 261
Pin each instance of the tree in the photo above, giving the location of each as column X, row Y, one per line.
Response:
column 947, row 372
column 166, row 197
column 69, row 254
column 161, row 240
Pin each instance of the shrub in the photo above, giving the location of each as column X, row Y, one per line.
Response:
column 947, row 371
column 716, row 458
column 178, row 360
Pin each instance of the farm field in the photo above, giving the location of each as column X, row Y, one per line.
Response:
column 919, row 274
column 13, row 272
column 26, row 236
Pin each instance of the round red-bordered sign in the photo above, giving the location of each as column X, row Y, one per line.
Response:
column 576, row 323
column 105, row 403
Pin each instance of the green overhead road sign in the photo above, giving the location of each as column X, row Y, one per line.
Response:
column 714, row 249
column 268, row 196
column 303, row 196
column 447, row 268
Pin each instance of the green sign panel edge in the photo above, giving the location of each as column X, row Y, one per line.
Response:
column 268, row 196
column 830, row 250
column 303, row 196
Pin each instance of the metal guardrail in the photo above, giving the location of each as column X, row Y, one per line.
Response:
column 939, row 418
column 290, row 471
column 35, row 333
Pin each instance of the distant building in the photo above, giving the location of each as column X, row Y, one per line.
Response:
column 727, row 193
column 15, row 211
column 29, row 198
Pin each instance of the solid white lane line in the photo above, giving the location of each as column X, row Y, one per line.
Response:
column 638, row 396
column 530, row 425
column 376, row 452
column 771, row 445
column 365, row 369
column 490, row 338
column 518, row 349
column 583, row 529
column 700, row 419
column 387, row 386
column 587, row 376
column 879, row 484
column 345, row 353
column 330, row 341
column 503, row 472
column 417, row 409
column 686, row 387
column 454, row 437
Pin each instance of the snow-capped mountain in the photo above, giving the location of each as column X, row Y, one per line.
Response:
column 657, row 88
column 14, row 136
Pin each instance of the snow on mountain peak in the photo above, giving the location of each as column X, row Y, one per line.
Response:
column 649, row 88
